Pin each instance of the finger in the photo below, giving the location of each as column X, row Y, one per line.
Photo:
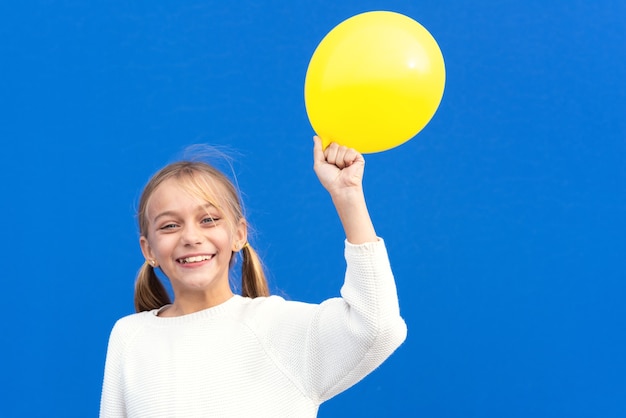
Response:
column 346, row 156
column 351, row 156
column 318, row 152
column 331, row 153
column 340, row 160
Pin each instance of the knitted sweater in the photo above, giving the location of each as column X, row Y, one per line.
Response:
column 261, row 357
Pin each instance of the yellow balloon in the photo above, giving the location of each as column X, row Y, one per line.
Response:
column 374, row 82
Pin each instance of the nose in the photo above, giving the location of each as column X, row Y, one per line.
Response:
column 191, row 235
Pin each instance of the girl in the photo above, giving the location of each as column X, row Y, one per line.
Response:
column 213, row 353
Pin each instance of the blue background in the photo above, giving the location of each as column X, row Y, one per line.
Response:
column 504, row 218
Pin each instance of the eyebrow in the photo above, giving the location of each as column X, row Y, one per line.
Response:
column 206, row 208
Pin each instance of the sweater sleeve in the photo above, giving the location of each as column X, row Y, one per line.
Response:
column 112, row 400
column 342, row 340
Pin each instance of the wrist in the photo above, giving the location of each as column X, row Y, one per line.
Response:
column 354, row 216
column 347, row 195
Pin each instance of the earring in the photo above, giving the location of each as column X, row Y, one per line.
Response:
column 152, row 262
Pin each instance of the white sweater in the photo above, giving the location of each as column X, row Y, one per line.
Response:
column 262, row 357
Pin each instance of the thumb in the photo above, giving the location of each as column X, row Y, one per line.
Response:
column 318, row 152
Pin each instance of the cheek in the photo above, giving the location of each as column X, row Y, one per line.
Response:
column 161, row 245
column 226, row 240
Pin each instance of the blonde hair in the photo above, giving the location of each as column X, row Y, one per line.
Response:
column 205, row 182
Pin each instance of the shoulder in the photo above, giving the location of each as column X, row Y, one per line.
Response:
column 130, row 325
column 133, row 319
column 273, row 311
column 269, row 305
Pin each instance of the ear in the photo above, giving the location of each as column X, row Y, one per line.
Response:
column 240, row 237
column 146, row 249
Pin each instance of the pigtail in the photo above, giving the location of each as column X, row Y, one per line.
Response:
column 149, row 291
column 253, row 281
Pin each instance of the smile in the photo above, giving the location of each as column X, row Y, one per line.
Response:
column 194, row 259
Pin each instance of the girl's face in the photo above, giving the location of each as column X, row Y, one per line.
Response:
column 191, row 241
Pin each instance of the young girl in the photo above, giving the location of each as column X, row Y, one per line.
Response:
column 211, row 353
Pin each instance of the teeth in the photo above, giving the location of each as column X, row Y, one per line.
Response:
column 195, row 259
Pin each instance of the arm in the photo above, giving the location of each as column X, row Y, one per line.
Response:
column 329, row 347
column 348, row 337
column 112, row 399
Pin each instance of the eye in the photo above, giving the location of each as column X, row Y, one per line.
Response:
column 167, row 227
column 210, row 220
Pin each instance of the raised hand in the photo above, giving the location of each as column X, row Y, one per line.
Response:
column 340, row 170
column 337, row 167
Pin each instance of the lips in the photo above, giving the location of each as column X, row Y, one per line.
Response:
column 194, row 259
